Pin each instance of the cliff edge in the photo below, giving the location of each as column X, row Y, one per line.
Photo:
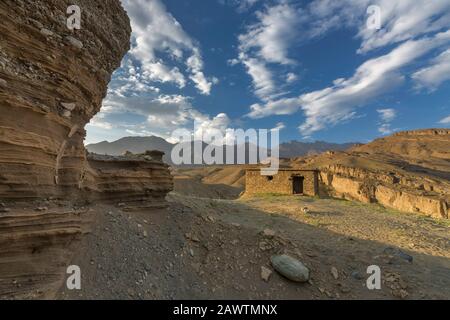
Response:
column 52, row 82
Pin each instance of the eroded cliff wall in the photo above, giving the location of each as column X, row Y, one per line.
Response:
column 408, row 171
column 52, row 82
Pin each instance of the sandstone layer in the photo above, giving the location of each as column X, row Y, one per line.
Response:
column 133, row 181
column 52, row 82
column 408, row 171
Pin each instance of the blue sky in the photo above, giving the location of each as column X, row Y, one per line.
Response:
column 314, row 69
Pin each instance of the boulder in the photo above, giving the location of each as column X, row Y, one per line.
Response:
column 74, row 42
column 290, row 268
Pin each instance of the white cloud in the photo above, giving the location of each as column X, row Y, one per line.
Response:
column 446, row 120
column 207, row 127
column 161, row 115
column 272, row 35
column 400, row 20
column 267, row 42
column 96, row 122
column 291, row 77
column 161, row 52
column 405, row 20
column 283, row 106
column 279, row 126
column 372, row 78
column 157, row 71
column 435, row 74
column 241, row 5
column 157, row 33
column 233, row 62
column 386, row 116
column 195, row 66
column 262, row 77
column 246, row 4
column 337, row 103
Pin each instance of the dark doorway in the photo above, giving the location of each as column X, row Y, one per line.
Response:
column 297, row 183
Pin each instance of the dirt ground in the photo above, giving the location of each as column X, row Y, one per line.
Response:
column 204, row 248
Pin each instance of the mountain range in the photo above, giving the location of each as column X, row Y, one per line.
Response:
column 290, row 149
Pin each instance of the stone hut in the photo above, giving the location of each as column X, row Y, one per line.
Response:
column 286, row 181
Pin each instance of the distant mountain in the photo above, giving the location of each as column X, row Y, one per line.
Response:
column 297, row 149
column 134, row 145
column 141, row 144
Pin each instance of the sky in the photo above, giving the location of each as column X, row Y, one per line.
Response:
column 317, row 70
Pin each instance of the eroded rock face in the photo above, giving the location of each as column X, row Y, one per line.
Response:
column 52, row 82
column 408, row 171
column 369, row 187
column 136, row 181
column 51, row 88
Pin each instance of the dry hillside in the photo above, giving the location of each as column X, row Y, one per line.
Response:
column 409, row 171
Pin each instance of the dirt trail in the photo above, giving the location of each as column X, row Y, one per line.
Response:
column 201, row 248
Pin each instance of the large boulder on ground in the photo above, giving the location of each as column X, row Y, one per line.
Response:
column 290, row 268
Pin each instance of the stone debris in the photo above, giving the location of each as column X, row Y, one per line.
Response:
column 290, row 268
column 356, row 275
column 74, row 42
column 397, row 285
column 265, row 273
column 46, row 32
column 67, row 114
column 397, row 253
column 192, row 237
column 269, row 233
column 400, row 293
column 68, row 106
column 335, row 273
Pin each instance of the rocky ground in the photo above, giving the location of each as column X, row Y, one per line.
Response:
column 202, row 248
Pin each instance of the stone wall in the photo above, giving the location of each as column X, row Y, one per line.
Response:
column 281, row 183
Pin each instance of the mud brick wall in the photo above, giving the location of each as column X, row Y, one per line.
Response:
column 281, row 183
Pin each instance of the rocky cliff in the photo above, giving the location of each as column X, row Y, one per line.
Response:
column 408, row 171
column 135, row 182
column 52, row 82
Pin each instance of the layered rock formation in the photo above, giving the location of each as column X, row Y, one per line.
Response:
column 135, row 181
column 52, row 82
column 36, row 247
column 408, row 171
